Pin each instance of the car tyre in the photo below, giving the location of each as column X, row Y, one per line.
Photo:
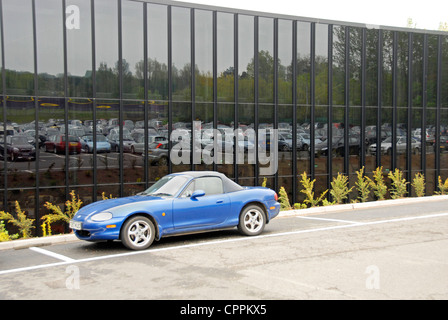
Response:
column 163, row 161
column 138, row 233
column 252, row 220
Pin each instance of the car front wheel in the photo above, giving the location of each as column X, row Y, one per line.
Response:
column 138, row 233
column 252, row 220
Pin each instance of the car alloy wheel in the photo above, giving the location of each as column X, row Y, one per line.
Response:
column 252, row 220
column 138, row 233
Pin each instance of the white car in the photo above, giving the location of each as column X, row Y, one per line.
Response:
column 417, row 133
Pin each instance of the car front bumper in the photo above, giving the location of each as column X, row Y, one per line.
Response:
column 97, row 231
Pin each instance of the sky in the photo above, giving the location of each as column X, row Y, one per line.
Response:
column 426, row 14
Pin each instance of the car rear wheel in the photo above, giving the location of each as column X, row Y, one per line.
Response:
column 252, row 220
column 138, row 233
column 163, row 161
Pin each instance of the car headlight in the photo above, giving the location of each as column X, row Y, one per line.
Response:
column 102, row 216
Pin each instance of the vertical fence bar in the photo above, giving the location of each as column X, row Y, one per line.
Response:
column 294, row 109
column 313, row 100
column 438, row 106
column 362, row 160
column 170, row 88
column 379, row 98
column 424, row 102
column 5, row 153
column 394, row 100
column 409, row 112
column 235, row 88
column 329, row 107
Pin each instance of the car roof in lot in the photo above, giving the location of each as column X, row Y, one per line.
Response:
column 195, row 174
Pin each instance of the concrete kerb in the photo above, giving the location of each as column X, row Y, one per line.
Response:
column 66, row 238
column 37, row 242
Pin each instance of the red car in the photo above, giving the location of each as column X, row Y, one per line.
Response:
column 56, row 144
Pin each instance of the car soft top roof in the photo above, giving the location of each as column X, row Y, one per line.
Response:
column 229, row 185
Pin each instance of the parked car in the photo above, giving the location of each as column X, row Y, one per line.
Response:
column 354, row 145
column 179, row 203
column 138, row 146
column 429, row 135
column 17, row 147
column 285, row 141
column 102, row 145
column 443, row 143
column 305, row 141
column 321, row 148
column 31, row 136
column 338, row 145
column 9, row 130
column 56, row 144
column 401, row 146
column 158, row 153
column 114, row 140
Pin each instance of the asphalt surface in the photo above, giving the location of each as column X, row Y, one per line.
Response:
column 395, row 249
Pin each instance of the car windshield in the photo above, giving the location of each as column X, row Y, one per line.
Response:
column 168, row 186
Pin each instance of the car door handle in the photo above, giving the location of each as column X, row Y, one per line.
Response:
column 219, row 201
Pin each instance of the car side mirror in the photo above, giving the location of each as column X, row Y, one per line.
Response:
column 198, row 193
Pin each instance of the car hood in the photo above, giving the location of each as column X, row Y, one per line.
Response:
column 113, row 204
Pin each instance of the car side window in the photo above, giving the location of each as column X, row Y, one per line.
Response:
column 211, row 185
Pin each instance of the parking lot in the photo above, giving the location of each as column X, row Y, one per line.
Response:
column 387, row 252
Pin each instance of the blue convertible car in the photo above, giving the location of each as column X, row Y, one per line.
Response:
column 179, row 203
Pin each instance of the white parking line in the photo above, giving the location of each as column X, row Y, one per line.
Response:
column 208, row 243
column 327, row 219
column 52, row 254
